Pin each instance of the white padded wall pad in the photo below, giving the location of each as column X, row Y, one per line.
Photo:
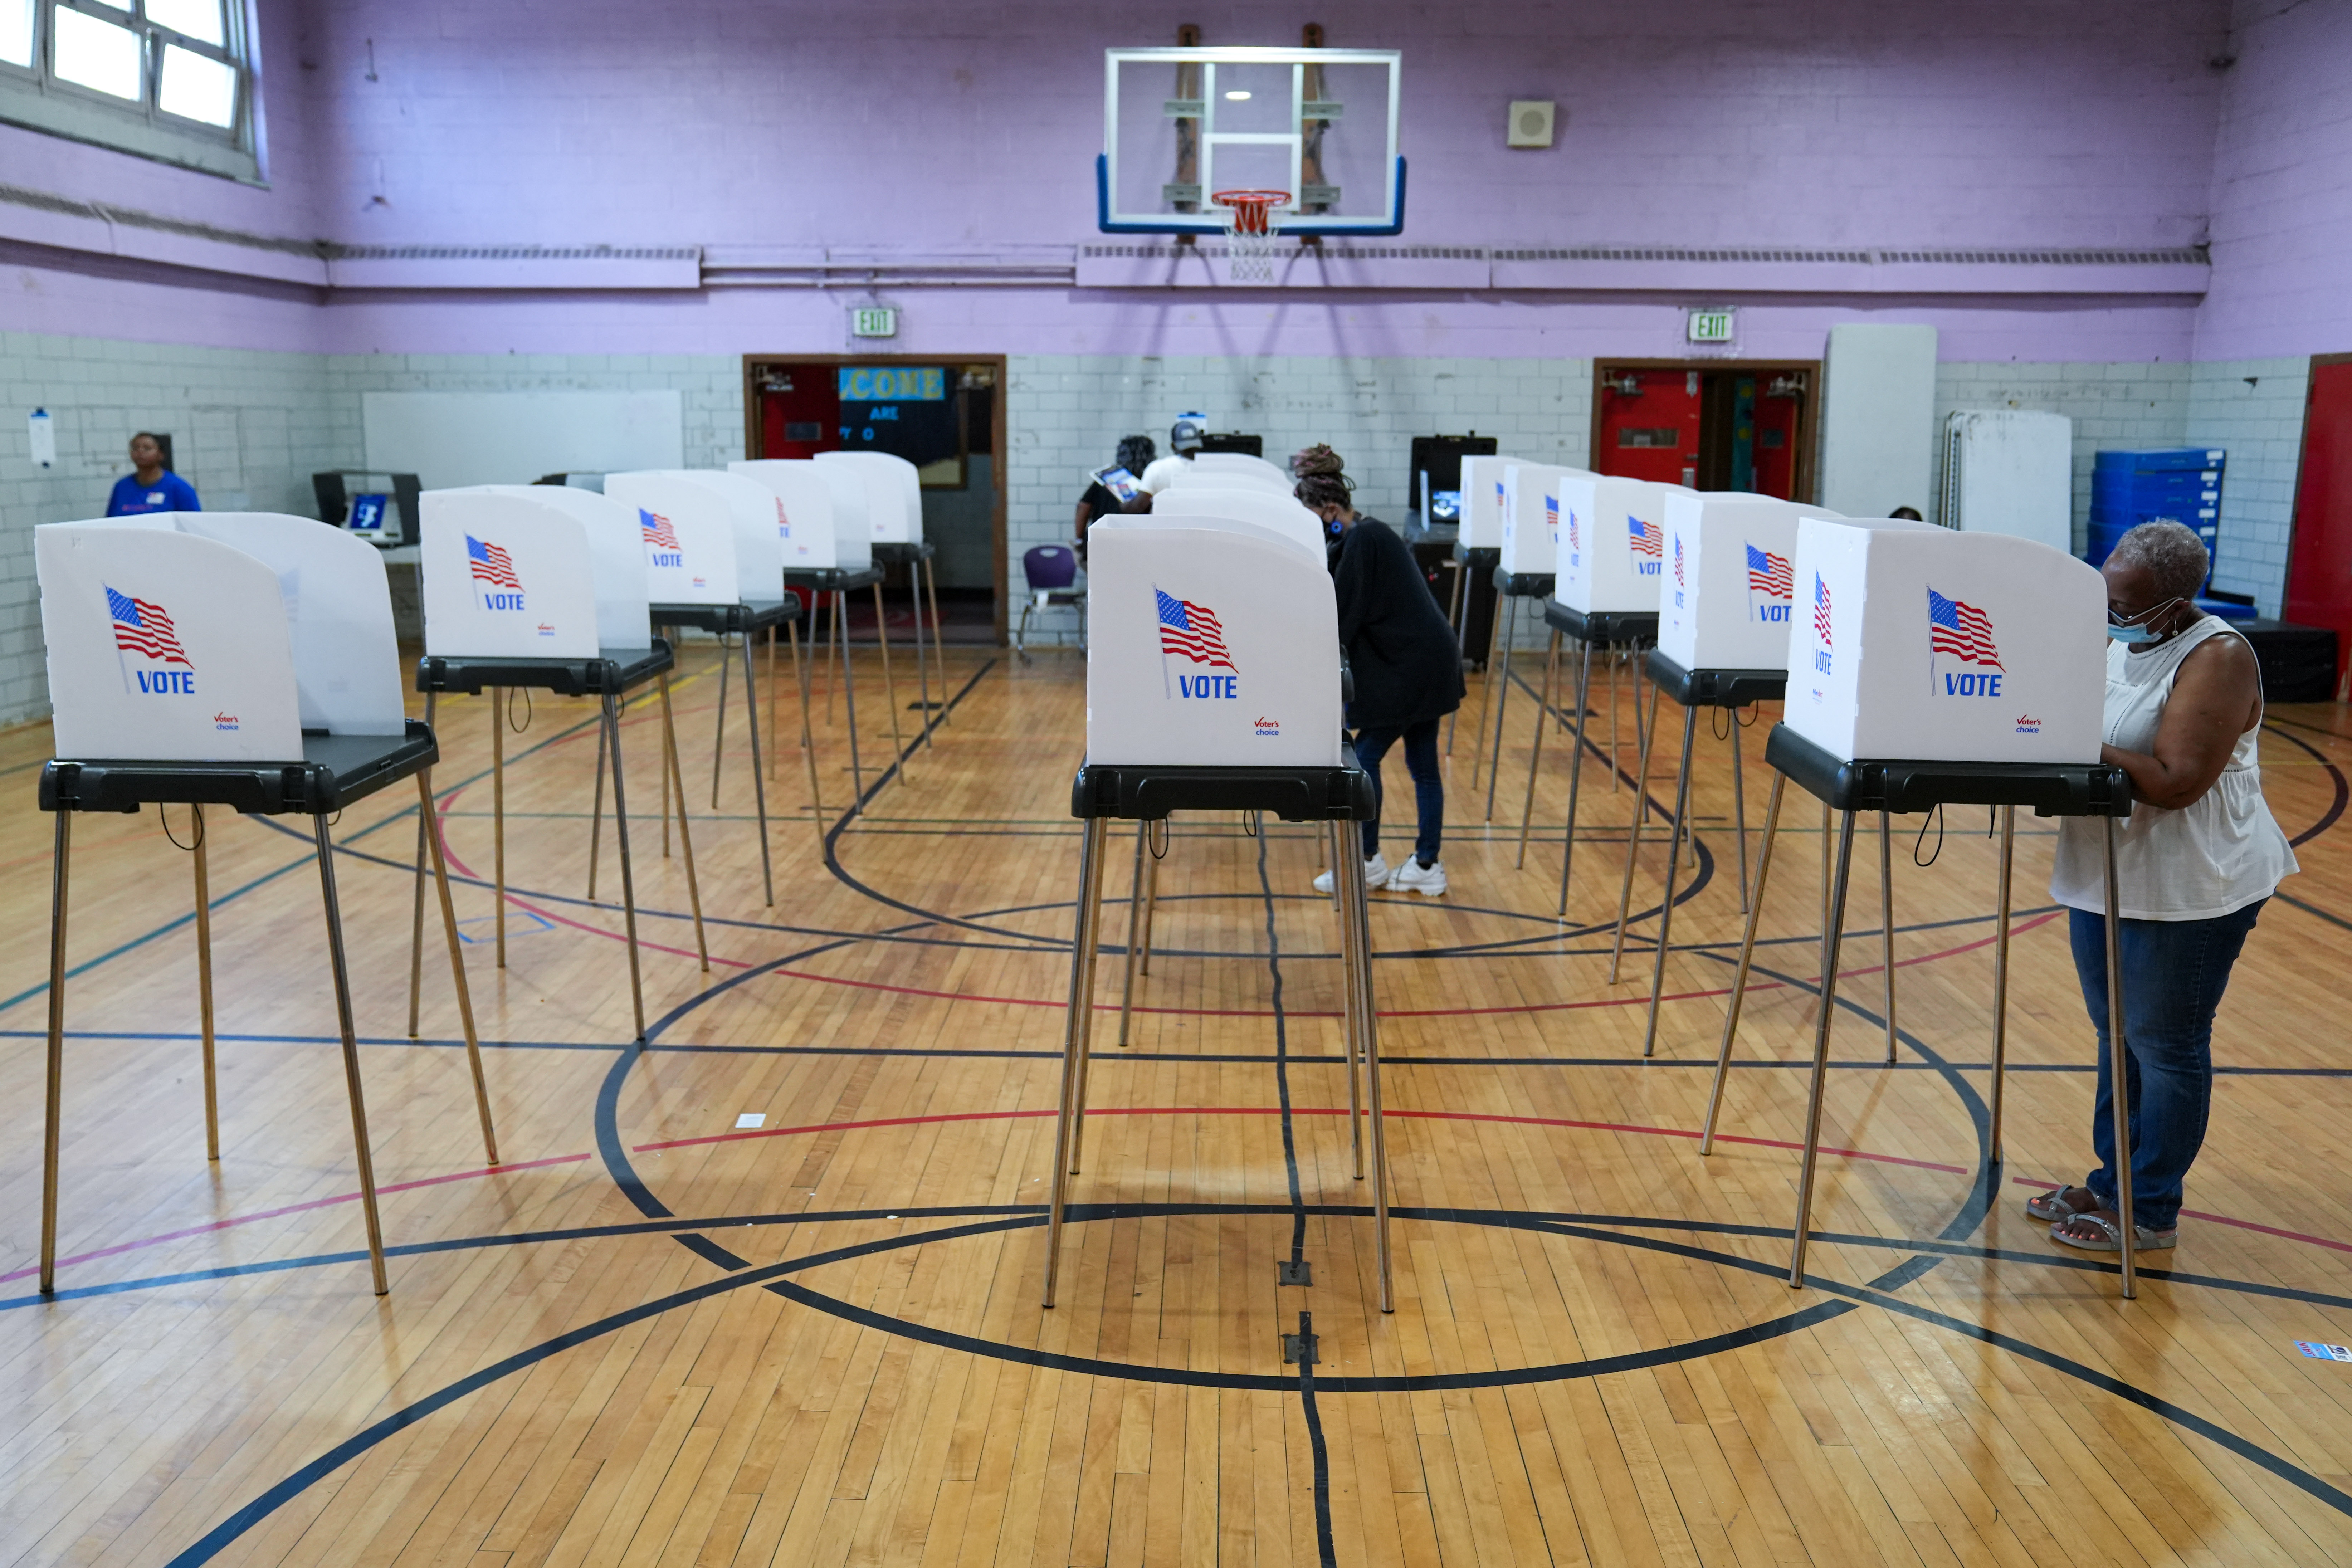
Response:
column 1878, row 419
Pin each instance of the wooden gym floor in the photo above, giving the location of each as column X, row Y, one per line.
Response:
column 654, row 1339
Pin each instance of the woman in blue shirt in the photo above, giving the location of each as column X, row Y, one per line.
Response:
column 150, row 487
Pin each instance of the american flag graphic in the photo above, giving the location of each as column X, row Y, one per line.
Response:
column 492, row 564
column 145, row 629
column 1822, row 609
column 1678, row 560
column 1770, row 574
column 1192, row 630
column 1648, row 538
column 1961, row 630
column 657, row 530
column 1551, row 515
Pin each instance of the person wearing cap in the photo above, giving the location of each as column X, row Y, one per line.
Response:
column 1183, row 445
column 1407, row 672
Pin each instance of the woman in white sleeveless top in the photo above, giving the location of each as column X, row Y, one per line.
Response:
column 2194, row 864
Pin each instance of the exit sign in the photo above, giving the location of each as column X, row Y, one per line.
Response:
column 1710, row 326
column 874, row 321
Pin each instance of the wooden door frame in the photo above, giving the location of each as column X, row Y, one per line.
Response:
column 1805, row 475
column 753, row 437
column 2302, row 446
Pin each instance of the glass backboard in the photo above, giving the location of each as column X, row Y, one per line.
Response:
column 1180, row 124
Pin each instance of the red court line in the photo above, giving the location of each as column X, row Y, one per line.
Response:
column 298, row 1208
column 2208, row 1218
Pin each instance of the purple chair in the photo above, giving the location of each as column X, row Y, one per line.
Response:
column 1052, row 572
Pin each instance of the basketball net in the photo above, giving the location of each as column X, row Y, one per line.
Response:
column 1253, row 225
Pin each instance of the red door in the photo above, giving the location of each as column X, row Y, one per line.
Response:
column 2319, row 581
column 1649, row 425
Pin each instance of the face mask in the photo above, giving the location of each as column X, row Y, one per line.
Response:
column 2138, row 633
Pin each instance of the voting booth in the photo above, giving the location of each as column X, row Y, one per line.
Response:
column 228, row 658
column 894, row 516
column 1725, row 600
column 1214, row 684
column 1219, row 468
column 544, row 587
column 809, row 532
column 1930, row 668
column 1276, row 512
column 893, row 490
column 729, row 560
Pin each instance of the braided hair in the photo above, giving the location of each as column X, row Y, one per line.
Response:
column 1316, row 491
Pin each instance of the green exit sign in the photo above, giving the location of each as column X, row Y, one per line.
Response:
column 874, row 321
column 1710, row 326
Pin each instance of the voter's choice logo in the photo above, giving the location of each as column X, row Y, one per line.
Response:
column 661, row 539
column 1769, row 581
column 1822, row 625
column 1551, row 519
column 225, row 721
column 143, row 629
column 1646, row 539
column 494, row 568
column 2028, row 725
column 1195, row 632
column 545, row 630
column 1267, row 727
column 1962, row 633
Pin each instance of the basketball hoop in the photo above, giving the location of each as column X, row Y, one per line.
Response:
column 1253, row 224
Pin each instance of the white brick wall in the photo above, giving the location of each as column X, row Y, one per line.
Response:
column 2111, row 406
column 2255, row 409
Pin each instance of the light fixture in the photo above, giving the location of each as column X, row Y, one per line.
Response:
column 1237, row 96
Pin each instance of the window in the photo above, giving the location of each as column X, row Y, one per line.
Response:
column 170, row 79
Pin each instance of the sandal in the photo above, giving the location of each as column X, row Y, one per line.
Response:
column 2109, row 1234
column 2060, row 1205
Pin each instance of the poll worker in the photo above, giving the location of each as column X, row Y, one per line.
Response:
column 1183, row 445
column 2194, row 864
column 1135, row 454
column 1407, row 672
column 150, row 486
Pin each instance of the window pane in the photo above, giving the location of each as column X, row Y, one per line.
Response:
column 95, row 54
column 17, row 32
column 197, row 19
column 197, row 87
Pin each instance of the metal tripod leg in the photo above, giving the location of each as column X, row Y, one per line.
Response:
column 1575, row 773
column 673, row 774
column 848, row 697
column 1074, row 1028
column 2000, row 977
column 1502, row 706
column 774, row 734
column 759, row 784
column 1674, row 862
column 1486, row 694
column 1150, row 899
column 54, row 1083
column 1740, row 808
column 1535, row 753
column 831, row 637
column 498, row 812
column 1747, row 957
column 1461, row 635
column 890, row 689
column 596, row 816
column 1368, row 1028
column 1821, row 1056
column 416, row 916
column 2118, row 1062
column 922, row 668
column 939, row 652
column 456, row 964
column 808, row 742
column 205, row 987
column 1336, row 843
column 1633, row 835
column 717, row 732
column 621, row 830
column 351, row 1050
column 1134, row 932
column 1887, row 920
column 1616, row 668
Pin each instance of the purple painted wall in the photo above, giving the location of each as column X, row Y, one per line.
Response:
column 2283, row 185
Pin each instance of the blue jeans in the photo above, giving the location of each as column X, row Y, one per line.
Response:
column 2174, row 974
column 1428, row 784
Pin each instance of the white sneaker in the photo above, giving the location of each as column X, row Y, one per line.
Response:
column 1412, row 877
column 1376, row 874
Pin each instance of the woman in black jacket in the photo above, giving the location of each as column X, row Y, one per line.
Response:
column 1407, row 672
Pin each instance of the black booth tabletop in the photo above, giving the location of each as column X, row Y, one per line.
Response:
column 1637, row 626
column 1151, row 791
column 1711, row 688
column 1524, row 584
column 835, row 579
column 335, row 771
column 613, row 669
column 2052, row 789
column 750, row 616
column 895, row 554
